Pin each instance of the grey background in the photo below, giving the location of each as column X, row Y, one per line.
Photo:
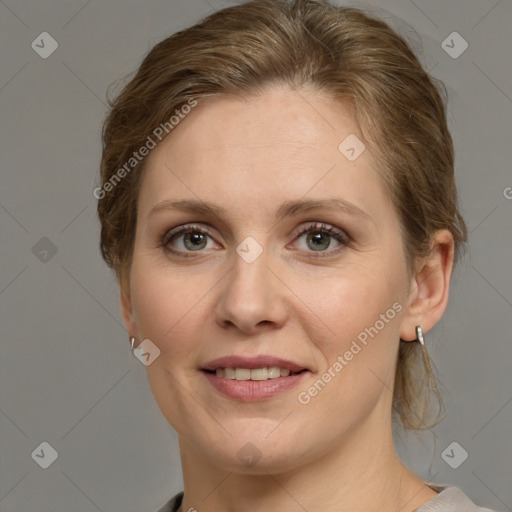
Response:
column 67, row 375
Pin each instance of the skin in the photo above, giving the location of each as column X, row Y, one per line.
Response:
column 336, row 453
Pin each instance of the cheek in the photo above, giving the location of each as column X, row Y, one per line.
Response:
column 165, row 306
column 358, row 349
column 356, row 317
column 343, row 304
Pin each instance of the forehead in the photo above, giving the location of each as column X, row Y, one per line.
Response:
column 280, row 118
column 280, row 145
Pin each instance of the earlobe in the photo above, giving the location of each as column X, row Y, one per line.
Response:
column 127, row 312
column 430, row 288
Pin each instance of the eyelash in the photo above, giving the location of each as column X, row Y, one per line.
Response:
column 340, row 236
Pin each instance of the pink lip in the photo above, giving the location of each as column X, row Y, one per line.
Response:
column 253, row 390
column 252, row 363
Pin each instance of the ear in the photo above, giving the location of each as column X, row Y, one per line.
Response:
column 429, row 290
column 127, row 311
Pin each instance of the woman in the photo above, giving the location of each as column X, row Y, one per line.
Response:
column 279, row 206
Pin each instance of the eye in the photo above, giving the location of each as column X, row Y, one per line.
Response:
column 194, row 238
column 320, row 237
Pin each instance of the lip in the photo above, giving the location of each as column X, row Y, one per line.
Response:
column 263, row 361
column 253, row 390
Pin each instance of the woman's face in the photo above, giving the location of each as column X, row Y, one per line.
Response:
column 331, row 302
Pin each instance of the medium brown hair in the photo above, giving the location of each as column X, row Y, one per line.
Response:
column 341, row 52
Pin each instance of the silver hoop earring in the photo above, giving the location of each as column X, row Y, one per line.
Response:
column 132, row 342
column 419, row 335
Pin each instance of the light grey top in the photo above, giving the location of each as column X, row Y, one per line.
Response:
column 449, row 499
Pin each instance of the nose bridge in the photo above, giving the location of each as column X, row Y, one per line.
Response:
column 249, row 280
column 250, row 296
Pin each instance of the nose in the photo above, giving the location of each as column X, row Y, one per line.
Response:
column 252, row 297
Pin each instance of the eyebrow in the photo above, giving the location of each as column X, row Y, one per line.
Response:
column 292, row 207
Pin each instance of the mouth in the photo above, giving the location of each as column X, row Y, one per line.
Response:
column 253, row 379
column 262, row 362
column 258, row 374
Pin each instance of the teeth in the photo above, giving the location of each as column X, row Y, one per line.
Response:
column 242, row 374
column 259, row 374
column 272, row 372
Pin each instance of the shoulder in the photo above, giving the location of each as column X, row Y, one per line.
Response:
column 173, row 504
column 450, row 499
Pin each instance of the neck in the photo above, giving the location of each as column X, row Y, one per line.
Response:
column 362, row 472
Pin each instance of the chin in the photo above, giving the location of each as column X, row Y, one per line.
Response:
column 261, row 463
column 257, row 455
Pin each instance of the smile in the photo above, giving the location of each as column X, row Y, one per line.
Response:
column 271, row 372
column 243, row 387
